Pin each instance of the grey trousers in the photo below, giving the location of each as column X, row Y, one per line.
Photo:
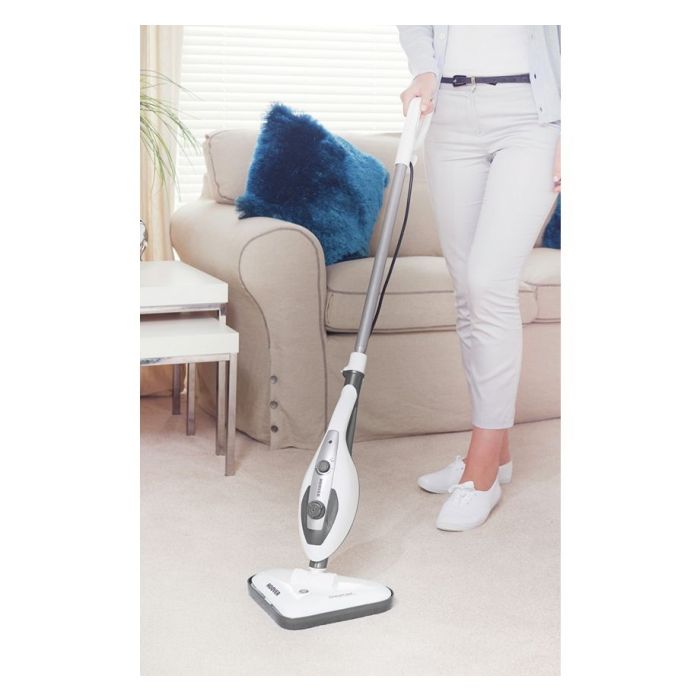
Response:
column 489, row 166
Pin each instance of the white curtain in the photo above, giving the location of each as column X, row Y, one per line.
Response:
column 161, row 50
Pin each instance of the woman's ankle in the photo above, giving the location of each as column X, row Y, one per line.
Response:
column 482, row 459
column 482, row 473
column 504, row 456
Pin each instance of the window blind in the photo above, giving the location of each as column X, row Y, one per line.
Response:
column 347, row 77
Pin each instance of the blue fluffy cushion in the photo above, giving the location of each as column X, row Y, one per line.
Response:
column 304, row 174
column 552, row 234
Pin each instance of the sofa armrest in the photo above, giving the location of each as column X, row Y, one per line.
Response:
column 276, row 275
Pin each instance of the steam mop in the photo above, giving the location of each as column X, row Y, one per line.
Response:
column 329, row 496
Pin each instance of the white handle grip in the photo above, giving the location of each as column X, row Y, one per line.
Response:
column 415, row 128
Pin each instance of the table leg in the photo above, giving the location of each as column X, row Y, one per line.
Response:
column 177, row 388
column 231, row 418
column 191, row 391
column 221, row 408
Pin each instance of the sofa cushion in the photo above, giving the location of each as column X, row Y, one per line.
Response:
column 228, row 155
column 420, row 296
column 542, row 272
column 551, row 238
column 304, row 174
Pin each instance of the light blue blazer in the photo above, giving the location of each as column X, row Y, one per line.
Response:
column 426, row 45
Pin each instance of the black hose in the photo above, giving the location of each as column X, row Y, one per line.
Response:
column 398, row 246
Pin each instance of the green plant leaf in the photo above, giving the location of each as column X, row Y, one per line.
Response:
column 158, row 114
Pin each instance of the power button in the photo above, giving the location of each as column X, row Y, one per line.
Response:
column 316, row 509
column 323, row 466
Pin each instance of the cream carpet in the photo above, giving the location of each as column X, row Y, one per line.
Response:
column 485, row 602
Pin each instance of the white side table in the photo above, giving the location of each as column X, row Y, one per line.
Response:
column 177, row 328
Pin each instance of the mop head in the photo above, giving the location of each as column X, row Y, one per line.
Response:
column 300, row 598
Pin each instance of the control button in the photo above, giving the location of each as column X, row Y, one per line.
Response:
column 323, row 466
column 316, row 510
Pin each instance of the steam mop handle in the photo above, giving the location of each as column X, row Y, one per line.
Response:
column 415, row 128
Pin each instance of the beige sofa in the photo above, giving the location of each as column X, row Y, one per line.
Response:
column 297, row 317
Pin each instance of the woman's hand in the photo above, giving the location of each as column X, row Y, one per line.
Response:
column 423, row 86
column 557, row 167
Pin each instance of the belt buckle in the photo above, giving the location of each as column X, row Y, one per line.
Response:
column 459, row 80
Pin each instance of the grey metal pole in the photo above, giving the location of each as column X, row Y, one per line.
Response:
column 375, row 282
column 231, row 414
column 177, row 388
column 221, row 408
column 191, row 390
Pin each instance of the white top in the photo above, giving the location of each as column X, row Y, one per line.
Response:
column 186, row 337
column 173, row 283
column 483, row 50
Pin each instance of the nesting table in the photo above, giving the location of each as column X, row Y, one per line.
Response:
column 183, row 322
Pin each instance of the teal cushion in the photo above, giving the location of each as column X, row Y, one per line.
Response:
column 304, row 174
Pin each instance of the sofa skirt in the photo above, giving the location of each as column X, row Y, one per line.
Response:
column 415, row 383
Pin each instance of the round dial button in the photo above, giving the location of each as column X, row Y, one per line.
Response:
column 316, row 509
column 323, row 466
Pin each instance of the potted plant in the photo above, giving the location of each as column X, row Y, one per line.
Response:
column 157, row 113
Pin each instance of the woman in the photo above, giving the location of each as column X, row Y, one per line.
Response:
column 492, row 160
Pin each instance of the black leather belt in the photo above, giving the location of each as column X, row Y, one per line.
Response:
column 459, row 80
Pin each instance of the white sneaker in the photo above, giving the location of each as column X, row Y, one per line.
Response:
column 441, row 480
column 466, row 507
